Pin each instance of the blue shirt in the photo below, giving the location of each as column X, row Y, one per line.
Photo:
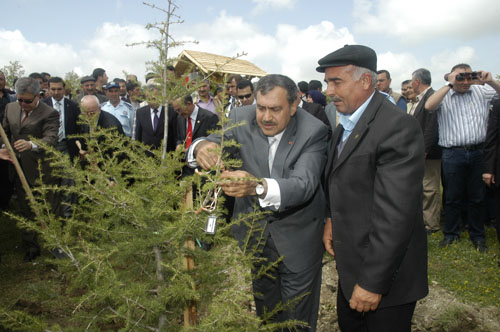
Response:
column 349, row 121
column 124, row 112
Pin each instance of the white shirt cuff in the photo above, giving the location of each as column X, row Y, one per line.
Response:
column 191, row 160
column 273, row 196
column 34, row 147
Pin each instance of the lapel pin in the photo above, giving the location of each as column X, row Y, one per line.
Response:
column 198, row 121
column 356, row 136
column 290, row 143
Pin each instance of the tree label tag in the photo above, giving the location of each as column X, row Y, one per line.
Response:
column 211, row 225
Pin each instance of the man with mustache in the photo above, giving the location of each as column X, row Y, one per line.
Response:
column 283, row 149
column 373, row 179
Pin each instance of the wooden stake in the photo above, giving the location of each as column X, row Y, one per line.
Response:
column 190, row 311
column 20, row 173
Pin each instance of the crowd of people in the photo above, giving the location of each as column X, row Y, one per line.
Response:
column 359, row 176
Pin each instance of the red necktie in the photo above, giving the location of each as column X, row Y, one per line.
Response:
column 189, row 133
column 25, row 116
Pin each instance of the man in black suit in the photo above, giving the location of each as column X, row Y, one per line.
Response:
column 201, row 121
column 492, row 158
column 374, row 187
column 421, row 85
column 283, row 149
column 69, row 112
column 192, row 122
column 150, row 122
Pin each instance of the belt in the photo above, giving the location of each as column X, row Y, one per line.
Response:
column 473, row 147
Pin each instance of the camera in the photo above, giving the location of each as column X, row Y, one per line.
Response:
column 471, row 76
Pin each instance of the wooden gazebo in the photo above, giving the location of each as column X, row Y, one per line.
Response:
column 219, row 65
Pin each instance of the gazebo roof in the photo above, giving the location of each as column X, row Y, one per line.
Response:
column 208, row 62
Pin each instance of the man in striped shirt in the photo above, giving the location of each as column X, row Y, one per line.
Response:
column 462, row 118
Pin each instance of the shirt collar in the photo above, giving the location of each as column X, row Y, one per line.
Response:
column 194, row 115
column 349, row 121
column 54, row 102
column 421, row 95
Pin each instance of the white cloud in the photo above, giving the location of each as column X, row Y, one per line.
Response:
column 289, row 51
column 106, row 49
column 427, row 19
column 262, row 5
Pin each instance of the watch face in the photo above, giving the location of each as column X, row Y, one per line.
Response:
column 259, row 189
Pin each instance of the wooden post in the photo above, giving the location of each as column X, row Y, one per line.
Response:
column 190, row 311
column 20, row 173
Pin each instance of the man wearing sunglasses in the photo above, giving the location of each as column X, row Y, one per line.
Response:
column 245, row 93
column 462, row 113
column 26, row 118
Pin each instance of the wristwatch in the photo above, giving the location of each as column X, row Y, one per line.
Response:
column 450, row 85
column 259, row 189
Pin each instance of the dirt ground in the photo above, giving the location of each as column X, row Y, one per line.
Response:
column 428, row 313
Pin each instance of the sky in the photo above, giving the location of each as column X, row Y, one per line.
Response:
column 279, row 36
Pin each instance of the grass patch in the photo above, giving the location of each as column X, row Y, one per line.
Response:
column 470, row 275
column 456, row 319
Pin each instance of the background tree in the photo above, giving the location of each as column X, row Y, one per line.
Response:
column 11, row 71
column 72, row 81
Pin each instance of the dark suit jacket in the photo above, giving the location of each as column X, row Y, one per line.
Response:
column 71, row 114
column 297, row 227
column 43, row 124
column 375, row 202
column 144, row 127
column 428, row 122
column 205, row 121
column 492, row 144
column 319, row 112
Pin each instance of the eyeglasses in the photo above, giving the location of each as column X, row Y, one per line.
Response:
column 26, row 101
column 245, row 96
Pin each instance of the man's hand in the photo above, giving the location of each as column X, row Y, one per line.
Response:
column 5, row 155
column 205, row 154
column 363, row 300
column 238, row 183
column 485, row 77
column 328, row 237
column 22, row 145
column 489, row 179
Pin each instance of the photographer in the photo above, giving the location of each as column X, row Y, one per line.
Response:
column 462, row 118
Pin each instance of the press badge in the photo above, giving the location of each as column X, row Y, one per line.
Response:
column 211, row 225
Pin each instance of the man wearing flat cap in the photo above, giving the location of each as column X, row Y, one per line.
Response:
column 88, row 88
column 373, row 182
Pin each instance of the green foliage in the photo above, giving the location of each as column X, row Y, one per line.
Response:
column 11, row 71
column 471, row 275
column 457, row 319
column 72, row 80
column 126, row 245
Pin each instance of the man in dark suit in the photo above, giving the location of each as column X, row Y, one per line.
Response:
column 283, row 149
column 374, row 187
column 69, row 110
column 492, row 158
column 150, row 122
column 192, row 122
column 318, row 111
column 24, row 119
column 421, row 85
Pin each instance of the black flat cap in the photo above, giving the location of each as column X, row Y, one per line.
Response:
column 87, row 79
column 358, row 55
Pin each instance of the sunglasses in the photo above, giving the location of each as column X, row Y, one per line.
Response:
column 245, row 96
column 26, row 101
